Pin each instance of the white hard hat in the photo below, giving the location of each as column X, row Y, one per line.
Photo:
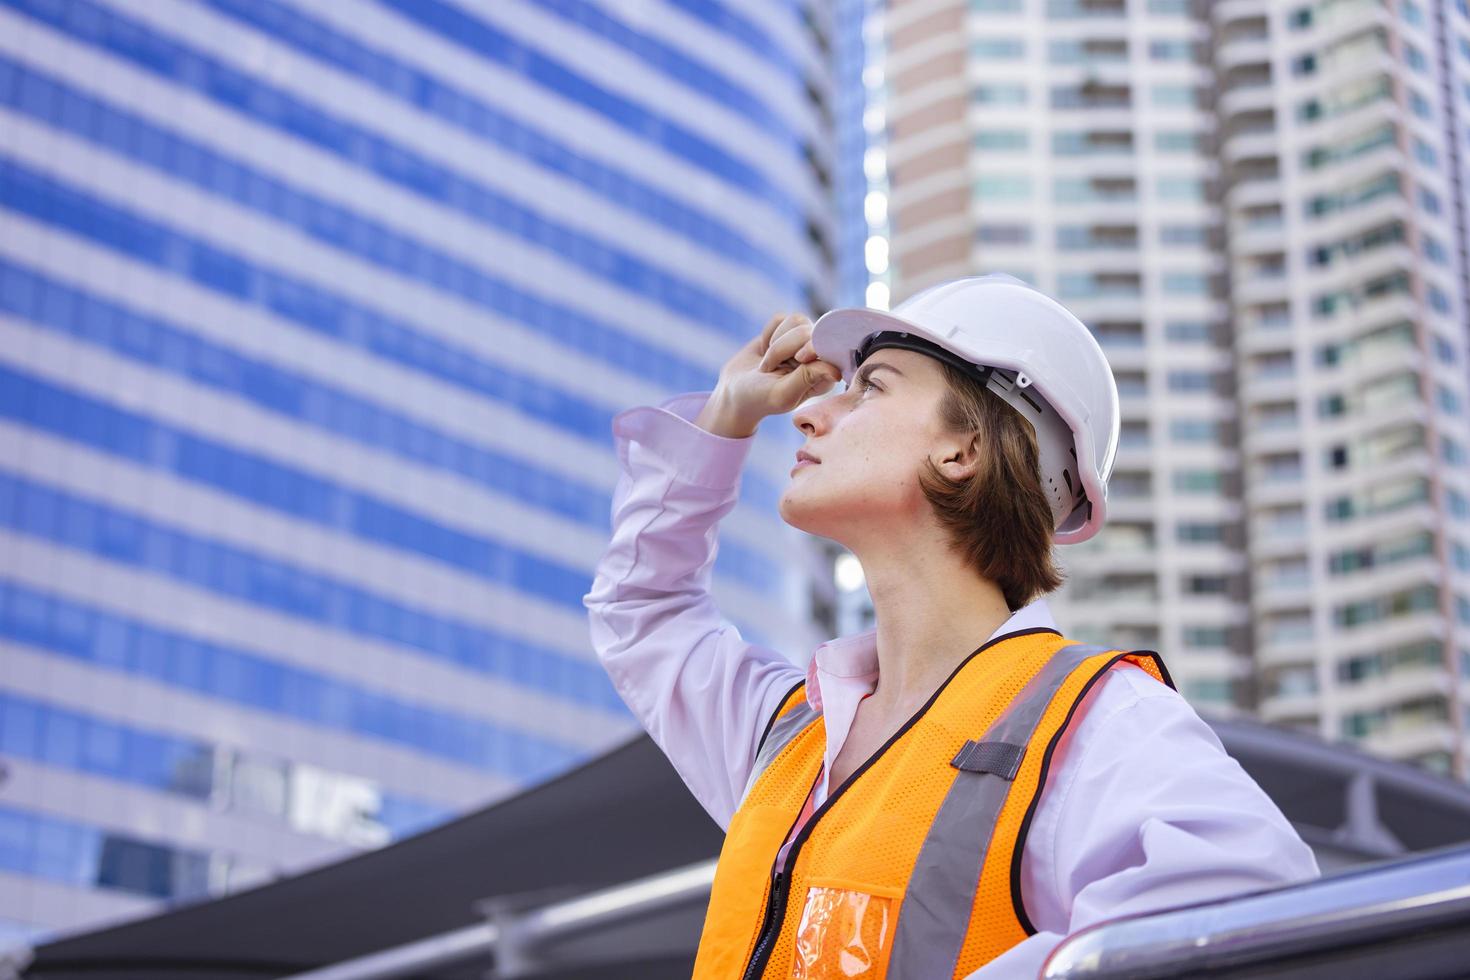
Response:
column 1041, row 360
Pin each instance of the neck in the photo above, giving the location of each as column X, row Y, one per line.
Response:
column 932, row 612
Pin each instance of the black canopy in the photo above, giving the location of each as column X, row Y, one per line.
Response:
column 626, row 816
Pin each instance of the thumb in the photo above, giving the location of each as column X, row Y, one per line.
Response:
column 799, row 385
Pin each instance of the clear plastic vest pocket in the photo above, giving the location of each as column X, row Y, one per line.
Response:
column 846, row 930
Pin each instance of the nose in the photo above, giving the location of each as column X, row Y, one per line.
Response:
column 814, row 417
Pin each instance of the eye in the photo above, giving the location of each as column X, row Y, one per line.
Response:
column 866, row 383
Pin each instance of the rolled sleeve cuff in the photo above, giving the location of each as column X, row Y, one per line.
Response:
column 692, row 455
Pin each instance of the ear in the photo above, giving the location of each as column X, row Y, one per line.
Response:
column 957, row 455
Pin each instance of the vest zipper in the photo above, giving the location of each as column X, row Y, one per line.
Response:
column 776, row 901
column 770, row 927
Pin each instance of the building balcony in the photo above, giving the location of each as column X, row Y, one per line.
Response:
column 1250, row 145
column 1259, row 238
column 1280, row 593
column 1245, row 98
column 1409, row 740
column 1337, row 535
column 1273, row 437
column 1275, row 709
column 1395, row 686
column 1283, row 647
column 1252, row 194
column 1258, row 337
column 1225, row 13
column 1387, row 634
column 1260, row 290
column 1243, row 49
column 1277, row 493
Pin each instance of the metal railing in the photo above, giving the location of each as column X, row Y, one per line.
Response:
column 1408, row 920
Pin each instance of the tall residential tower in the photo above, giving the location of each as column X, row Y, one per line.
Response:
column 1259, row 208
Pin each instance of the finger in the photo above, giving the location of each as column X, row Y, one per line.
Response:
column 807, row 353
column 806, row 381
column 769, row 331
column 793, row 321
column 785, row 345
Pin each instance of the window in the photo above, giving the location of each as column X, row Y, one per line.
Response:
column 999, row 94
column 1444, row 350
column 1187, row 331
column 1181, row 189
column 1200, row 533
column 1177, row 141
column 1206, row 637
column 1449, row 401
column 1428, row 201
column 1191, row 381
column 1184, row 235
column 996, row 234
column 1199, row 481
column 1419, row 105
column 1186, row 284
column 996, row 6
column 1433, row 250
column 1002, row 139
column 1175, row 95
column 1415, row 59
column 1001, row 187
column 1194, row 430
column 1425, row 154
column 1171, row 49
column 1207, row 584
column 1072, row 143
column 998, row 49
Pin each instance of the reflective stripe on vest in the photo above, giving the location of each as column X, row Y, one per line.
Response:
column 793, row 716
column 944, row 878
column 936, row 908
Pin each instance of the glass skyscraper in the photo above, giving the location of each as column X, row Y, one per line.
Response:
column 313, row 319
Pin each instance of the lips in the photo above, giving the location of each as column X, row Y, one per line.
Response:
column 804, row 456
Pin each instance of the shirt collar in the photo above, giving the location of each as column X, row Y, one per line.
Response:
column 853, row 659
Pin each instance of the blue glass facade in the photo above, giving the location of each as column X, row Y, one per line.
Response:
column 298, row 499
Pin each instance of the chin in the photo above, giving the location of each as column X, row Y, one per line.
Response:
column 804, row 515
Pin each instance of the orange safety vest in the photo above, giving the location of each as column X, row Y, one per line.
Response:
column 913, row 866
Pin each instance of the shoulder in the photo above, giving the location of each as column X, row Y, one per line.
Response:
column 1129, row 701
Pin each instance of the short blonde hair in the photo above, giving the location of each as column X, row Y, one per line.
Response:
column 998, row 519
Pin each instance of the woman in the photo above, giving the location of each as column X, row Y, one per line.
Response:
column 950, row 793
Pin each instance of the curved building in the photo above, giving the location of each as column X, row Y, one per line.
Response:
column 313, row 320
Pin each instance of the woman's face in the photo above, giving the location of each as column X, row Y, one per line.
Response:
column 871, row 441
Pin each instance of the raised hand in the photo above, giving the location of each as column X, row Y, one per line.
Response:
column 772, row 374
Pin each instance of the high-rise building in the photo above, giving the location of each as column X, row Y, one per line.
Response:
column 313, row 320
column 1067, row 144
column 1341, row 143
column 1259, row 208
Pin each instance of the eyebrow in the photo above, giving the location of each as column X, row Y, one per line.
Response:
column 869, row 368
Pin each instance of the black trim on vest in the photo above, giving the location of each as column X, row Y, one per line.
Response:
column 761, row 955
column 771, row 721
column 1016, row 903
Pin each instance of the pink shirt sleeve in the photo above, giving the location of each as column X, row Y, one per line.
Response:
column 698, row 687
